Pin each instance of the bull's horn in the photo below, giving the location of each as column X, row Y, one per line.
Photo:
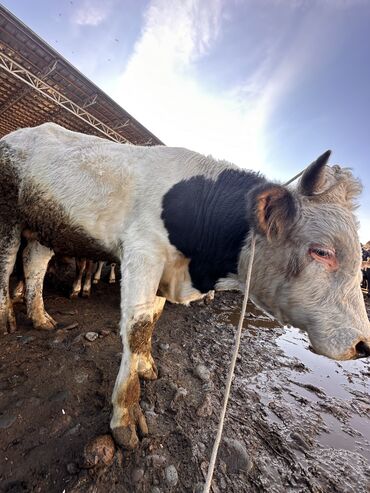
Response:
column 313, row 177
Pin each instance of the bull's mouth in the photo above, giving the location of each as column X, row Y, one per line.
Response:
column 347, row 356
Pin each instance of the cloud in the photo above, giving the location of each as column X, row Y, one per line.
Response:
column 162, row 88
column 91, row 13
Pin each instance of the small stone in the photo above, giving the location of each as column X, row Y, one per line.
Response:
column 7, row 421
column 155, row 489
column 164, row 346
column 99, row 452
column 235, row 456
column 91, row 336
column 137, row 475
column 172, row 476
column 205, row 409
column 74, row 325
column 72, row 468
column 201, row 447
column 203, row 373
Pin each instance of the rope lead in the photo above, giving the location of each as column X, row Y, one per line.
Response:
column 230, row 374
column 216, row 444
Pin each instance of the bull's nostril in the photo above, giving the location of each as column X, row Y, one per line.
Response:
column 362, row 349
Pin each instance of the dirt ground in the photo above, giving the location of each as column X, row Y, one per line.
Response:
column 296, row 421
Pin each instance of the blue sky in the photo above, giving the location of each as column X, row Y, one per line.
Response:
column 267, row 84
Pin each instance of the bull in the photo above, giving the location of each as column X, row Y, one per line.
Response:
column 180, row 224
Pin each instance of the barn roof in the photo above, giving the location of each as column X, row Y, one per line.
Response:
column 37, row 85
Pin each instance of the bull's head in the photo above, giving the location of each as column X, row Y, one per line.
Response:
column 308, row 257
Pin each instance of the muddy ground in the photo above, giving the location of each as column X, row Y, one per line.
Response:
column 296, row 421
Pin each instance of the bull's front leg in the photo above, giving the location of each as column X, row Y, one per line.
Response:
column 140, row 310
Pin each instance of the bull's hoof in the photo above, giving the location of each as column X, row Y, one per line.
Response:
column 74, row 295
column 126, row 436
column 95, row 281
column 8, row 327
column 7, row 321
column 112, row 281
column 45, row 326
column 85, row 294
column 47, row 323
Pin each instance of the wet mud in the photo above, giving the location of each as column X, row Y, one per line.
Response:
column 296, row 421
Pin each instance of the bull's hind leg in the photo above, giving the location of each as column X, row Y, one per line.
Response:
column 9, row 244
column 140, row 310
column 35, row 262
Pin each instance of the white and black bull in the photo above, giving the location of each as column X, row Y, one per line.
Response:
column 180, row 225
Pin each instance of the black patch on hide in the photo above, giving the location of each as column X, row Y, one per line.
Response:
column 207, row 221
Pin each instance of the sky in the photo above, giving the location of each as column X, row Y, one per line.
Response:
column 266, row 84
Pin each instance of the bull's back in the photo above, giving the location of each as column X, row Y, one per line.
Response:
column 75, row 185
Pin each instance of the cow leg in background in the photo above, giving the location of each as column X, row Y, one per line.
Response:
column 35, row 263
column 86, row 290
column 97, row 274
column 20, row 288
column 140, row 310
column 80, row 269
column 112, row 274
column 9, row 244
column 19, row 292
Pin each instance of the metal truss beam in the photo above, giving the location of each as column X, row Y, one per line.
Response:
column 18, row 95
column 48, row 91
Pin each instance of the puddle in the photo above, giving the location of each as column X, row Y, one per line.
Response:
column 326, row 400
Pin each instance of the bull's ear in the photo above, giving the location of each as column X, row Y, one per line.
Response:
column 274, row 210
column 313, row 178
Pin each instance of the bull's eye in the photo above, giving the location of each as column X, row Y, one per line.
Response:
column 324, row 256
column 321, row 253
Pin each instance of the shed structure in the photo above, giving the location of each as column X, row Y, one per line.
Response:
column 37, row 85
